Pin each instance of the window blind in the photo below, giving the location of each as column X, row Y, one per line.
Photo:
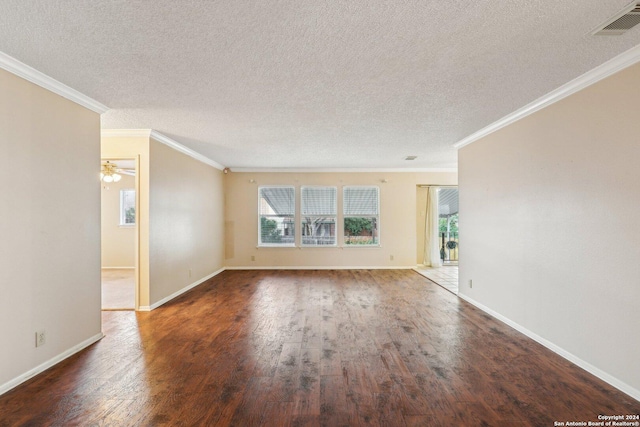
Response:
column 318, row 201
column 361, row 201
column 277, row 201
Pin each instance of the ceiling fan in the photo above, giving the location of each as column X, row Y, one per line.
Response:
column 110, row 172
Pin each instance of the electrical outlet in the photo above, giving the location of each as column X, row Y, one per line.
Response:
column 189, row 272
column 390, row 257
column 41, row 338
column 253, row 258
column 470, row 283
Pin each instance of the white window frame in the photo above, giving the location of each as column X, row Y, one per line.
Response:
column 260, row 215
column 123, row 213
column 303, row 216
column 345, row 216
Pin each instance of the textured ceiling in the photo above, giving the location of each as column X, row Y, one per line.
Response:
column 312, row 84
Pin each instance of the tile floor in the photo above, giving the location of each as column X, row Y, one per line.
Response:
column 445, row 276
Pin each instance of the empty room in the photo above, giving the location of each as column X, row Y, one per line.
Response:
column 307, row 213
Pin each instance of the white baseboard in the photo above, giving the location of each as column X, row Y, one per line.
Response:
column 49, row 363
column 118, row 268
column 615, row 382
column 180, row 292
column 321, row 267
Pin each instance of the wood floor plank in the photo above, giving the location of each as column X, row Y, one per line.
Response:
column 307, row 395
column 312, row 348
column 334, row 410
column 287, row 373
column 278, row 414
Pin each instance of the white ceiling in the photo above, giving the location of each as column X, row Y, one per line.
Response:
column 312, row 84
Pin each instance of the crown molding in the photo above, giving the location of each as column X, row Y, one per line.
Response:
column 601, row 72
column 150, row 133
column 352, row 170
column 188, row 151
column 28, row 73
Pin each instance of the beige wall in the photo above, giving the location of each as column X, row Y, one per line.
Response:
column 186, row 229
column 549, row 211
column 118, row 242
column 180, row 217
column 50, row 228
column 421, row 215
column 397, row 220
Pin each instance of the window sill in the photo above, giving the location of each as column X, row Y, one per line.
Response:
column 127, row 226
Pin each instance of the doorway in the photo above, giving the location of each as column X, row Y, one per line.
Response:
column 119, row 234
column 438, row 237
column 448, row 225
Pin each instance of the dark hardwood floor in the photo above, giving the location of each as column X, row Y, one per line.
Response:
column 309, row 348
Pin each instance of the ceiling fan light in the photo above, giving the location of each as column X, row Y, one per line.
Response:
column 101, row 175
column 116, row 177
column 107, row 178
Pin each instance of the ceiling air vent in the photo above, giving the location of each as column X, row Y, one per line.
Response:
column 411, row 157
column 621, row 23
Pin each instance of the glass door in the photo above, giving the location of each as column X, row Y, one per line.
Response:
column 448, row 225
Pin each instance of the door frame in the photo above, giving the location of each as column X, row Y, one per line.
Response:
column 420, row 236
column 136, row 262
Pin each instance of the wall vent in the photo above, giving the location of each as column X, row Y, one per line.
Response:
column 621, row 22
column 411, row 157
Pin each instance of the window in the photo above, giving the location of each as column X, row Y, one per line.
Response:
column 128, row 207
column 361, row 215
column 276, row 212
column 318, row 207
